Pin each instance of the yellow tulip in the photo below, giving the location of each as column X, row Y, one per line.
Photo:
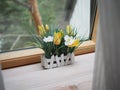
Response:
column 46, row 27
column 57, row 38
column 41, row 30
column 42, row 27
column 75, row 43
column 69, row 29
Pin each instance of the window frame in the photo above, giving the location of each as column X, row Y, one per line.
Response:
column 31, row 56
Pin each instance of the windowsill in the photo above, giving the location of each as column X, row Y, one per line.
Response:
column 20, row 53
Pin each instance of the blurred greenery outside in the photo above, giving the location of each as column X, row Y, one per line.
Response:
column 16, row 21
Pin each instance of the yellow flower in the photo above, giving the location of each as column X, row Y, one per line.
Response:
column 46, row 27
column 41, row 30
column 68, row 29
column 75, row 43
column 57, row 38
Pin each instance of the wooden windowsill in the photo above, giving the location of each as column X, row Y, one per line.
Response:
column 30, row 56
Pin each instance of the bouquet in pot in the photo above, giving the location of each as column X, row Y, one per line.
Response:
column 56, row 41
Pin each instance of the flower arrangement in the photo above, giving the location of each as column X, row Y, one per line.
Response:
column 58, row 45
column 56, row 41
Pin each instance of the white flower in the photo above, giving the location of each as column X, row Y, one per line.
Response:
column 48, row 39
column 68, row 40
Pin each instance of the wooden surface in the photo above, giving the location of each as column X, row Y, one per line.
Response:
column 21, row 57
column 95, row 27
column 33, row 77
column 86, row 47
column 30, row 56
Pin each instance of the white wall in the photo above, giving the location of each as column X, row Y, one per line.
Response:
column 81, row 17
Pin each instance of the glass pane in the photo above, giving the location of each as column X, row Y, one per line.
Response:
column 16, row 20
column 14, row 26
column 80, row 18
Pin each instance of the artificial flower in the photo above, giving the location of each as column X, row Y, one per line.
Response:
column 68, row 40
column 55, row 41
column 71, row 42
column 46, row 27
column 48, row 39
column 41, row 27
column 57, row 38
column 75, row 43
column 69, row 29
column 41, row 30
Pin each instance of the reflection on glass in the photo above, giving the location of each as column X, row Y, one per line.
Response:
column 16, row 20
column 81, row 17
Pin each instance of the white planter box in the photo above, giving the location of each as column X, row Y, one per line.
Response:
column 56, row 61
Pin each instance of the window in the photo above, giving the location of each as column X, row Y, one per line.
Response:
column 80, row 17
column 14, row 25
column 16, row 21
